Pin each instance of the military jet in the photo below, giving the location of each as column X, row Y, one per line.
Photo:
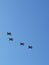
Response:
column 22, row 43
column 9, row 33
column 10, row 39
column 30, row 47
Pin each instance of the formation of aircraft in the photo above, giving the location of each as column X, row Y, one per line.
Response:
column 9, row 33
column 21, row 43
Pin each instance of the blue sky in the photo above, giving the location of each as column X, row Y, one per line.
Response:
column 28, row 20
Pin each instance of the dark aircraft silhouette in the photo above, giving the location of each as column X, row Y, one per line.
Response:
column 22, row 43
column 30, row 47
column 10, row 39
column 9, row 33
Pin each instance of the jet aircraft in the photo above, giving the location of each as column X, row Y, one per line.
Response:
column 22, row 43
column 10, row 39
column 9, row 33
column 30, row 47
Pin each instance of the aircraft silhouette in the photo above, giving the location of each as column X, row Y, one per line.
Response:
column 30, row 47
column 9, row 33
column 10, row 39
column 22, row 43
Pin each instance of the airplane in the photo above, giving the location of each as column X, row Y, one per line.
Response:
column 22, row 43
column 9, row 33
column 10, row 39
column 30, row 47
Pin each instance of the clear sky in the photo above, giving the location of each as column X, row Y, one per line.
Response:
column 28, row 20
